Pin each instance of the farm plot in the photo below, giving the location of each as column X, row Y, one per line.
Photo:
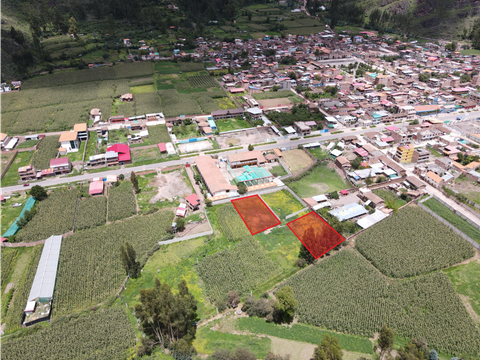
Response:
column 8, row 260
column 232, row 225
column 14, row 315
column 54, row 216
column 255, row 213
column 232, row 124
column 158, row 134
column 315, row 233
column 105, row 334
column 206, row 103
column 121, row 201
column 357, row 299
column 273, row 95
column 465, row 279
column 11, row 176
column 190, row 66
column 90, row 268
column 146, row 103
column 224, row 103
column 166, row 68
column 422, row 245
column 202, row 81
column 91, row 212
column 296, row 160
column 282, row 203
column 174, row 104
column 46, row 151
column 242, row 268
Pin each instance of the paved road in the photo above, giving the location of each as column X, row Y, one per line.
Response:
column 280, row 144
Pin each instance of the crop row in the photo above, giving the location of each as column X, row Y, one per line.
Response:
column 232, row 225
column 346, row 293
column 174, row 104
column 158, row 134
column 105, row 334
column 147, row 103
column 8, row 260
column 243, row 268
column 46, row 151
column 91, row 212
column 190, row 66
column 412, row 242
column 90, row 268
column 55, row 216
column 121, row 202
column 202, row 81
column 121, row 71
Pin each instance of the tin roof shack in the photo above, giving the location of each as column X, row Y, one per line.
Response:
column 95, row 188
column 348, row 211
column 41, row 292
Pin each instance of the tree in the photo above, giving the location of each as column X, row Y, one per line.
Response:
column 285, row 304
column 208, row 203
column 433, row 355
column 180, row 224
column 134, row 180
column 411, row 352
column 242, row 188
column 334, row 195
column 130, row 263
column 306, row 255
column 27, row 216
column 198, row 178
column 250, row 147
column 38, row 192
column 73, row 29
column 166, row 318
column 423, row 77
column 233, row 299
column 329, row 349
column 385, row 341
column 292, row 75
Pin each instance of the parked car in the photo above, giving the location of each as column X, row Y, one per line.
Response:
column 16, row 205
column 26, row 184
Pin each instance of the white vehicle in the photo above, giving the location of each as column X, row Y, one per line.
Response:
column 16, row 205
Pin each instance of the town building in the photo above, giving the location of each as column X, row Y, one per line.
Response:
column 241, row 159
column 213, row 178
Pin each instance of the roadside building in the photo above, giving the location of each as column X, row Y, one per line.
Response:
column 404, row 154
column 227, row 114
column 81, row 130
column 302, row 128
column 193, row 201
column 61, row 165
column 254, row 157
column 69, row 141
column 27, row 173
column 212, row 176
column 95, row 188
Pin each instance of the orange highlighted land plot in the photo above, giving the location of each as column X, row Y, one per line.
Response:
column 255, row 214
column 315, row 233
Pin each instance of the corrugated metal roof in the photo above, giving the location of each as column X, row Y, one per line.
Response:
column 372, row 219
column 348, row 211
column 44, row 282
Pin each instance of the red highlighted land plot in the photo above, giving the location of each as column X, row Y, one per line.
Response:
column 255, row 214
column 315, row 233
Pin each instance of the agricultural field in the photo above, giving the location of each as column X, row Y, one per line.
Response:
column 278, row 170
column 273, row 95
column 23, row 283
column 9, row 256
column 55, row 216
column 91, row 212
column 315, row 233
column 296, row 160
column 190, row 66
column 11, row 176
column 121, row 201
column 47, row 150
column 320, row 179
column 465, row 279
column 104, row 334
column 206, row 102
column 255, row 213
column 141, row 89
column 457, row 221
column 166, row 68
column 119, row 71
column 9, row 213
column 225, row 103
column 174, row 104
column 242, row 268
column 158, row 134
column 90, row 268
column 232, row 124
column 231, row 224
column 202, row 81
column 404, row 253
column 357, row 299
column 27, row 144
column 145, row 156
column 147, row 103
column 302, row 333
column 282, row 203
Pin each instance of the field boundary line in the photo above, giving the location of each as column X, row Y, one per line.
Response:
column 188, row 237
column 295, row 213
column 9, row 164
column 457, row 212
column 451, row 226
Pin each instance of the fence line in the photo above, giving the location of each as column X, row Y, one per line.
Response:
column 456, row 212
column 9, row 164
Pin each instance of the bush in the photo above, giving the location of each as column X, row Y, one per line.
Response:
column 300, row 262
column 221, row 305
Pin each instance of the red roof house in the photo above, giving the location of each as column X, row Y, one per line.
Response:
column 162, row 147
column 123, row 152
column 96, row 188
column 193, row 201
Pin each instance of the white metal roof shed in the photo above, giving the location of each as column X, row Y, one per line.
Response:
column 44, row 282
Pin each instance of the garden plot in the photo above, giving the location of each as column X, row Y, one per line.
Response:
column 268, row 103
column 171, row 185
column 255, row 213
column 239, row 138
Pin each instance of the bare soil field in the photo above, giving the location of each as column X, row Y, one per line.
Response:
column 240, row 138
column 267, row 103
column 296, row 160
column 169, row 186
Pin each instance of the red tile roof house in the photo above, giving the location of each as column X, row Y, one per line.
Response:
column 193, row 201
column 123, row 152
column 61, row 165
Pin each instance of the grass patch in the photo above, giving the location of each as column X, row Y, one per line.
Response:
column 224, row 103
column 457, row 221
column 9, row 213
column 320, row 180
column 278, row 171
column 282, row 203
column 273, row 95
column 232, row 124
column 27, row 144
column 296, row 159
column 303, row 333
column 142, row 89
column 11, row 176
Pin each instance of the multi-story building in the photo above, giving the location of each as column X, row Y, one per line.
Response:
column 420, row 156
column 404, row 154
column 27, row 173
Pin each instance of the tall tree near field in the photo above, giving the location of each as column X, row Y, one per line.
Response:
column 38, row 192
column 385, row 341
column 306, row 255
column 334, row 5
column 285, row 304
column 134, row 180
column 329, row 349
column 73, row 29
column 165, row 317
column 129, row 260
